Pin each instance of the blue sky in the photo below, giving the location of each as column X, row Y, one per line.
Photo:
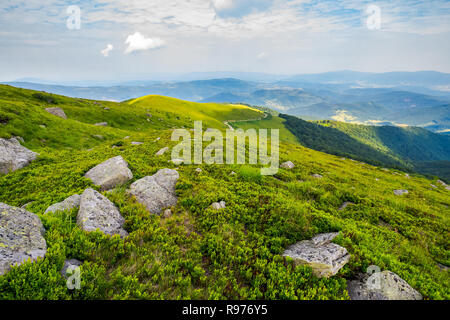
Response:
column 137, row 39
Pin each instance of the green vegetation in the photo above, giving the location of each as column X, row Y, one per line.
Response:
column 409, row 148
column 200, row 253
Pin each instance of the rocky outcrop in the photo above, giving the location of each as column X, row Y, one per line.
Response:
column 97, row 212
column 384, row 285
column 57, row 112
column 287, row 165
column 68, row 204
column 400, row 192
column 111, row 173
column 21, row 237
column 156, row 192
column 14, row 156
column 324, row 257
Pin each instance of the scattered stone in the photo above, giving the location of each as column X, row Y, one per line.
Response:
column 105, row 108
column 287, row 165
column 101, row 124
column 442, row 267
column 441, row 182
column 156, row 192
column 157, row 139
column 376, row 179
column 447, row 188
column 97, row 212
column 167, row 213
column 149, row 115
column 14, row 156
column 344, row 205
column 407, row 175
column 127, row 137
column 57, row 112
column 324, row 257
column 21, row 237
column 98, row 136
column 433, row 186
column 177, row 162
column 69, row 266
column 68, row 204
column 384, row 285
column 43, row 126
column 162, row 151
column 218, row 205
column 232, row 173
column 198, row 170
column 317, row 176
column 111, row 173
column 342, row 158
column 136, row 143
column 400, row 192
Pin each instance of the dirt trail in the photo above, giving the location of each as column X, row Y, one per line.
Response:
column 227, row 123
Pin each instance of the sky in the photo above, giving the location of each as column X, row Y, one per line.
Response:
column 143, row 39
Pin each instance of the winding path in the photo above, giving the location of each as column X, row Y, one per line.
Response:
column 227, row 122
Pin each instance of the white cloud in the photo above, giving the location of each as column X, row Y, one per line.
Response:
column 137, row 42
column 105, row 52
column 222, row 4
column 262, row 55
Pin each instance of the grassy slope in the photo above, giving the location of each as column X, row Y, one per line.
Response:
column 200, row 253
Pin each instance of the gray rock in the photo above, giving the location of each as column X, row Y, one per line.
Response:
column 21, row 237
column 14, row 156
column 324, row 257
column 68, row 204
column 101, row 124
column 344, row 205
column 384, row 285
column 69, row 265
column 232, row 173
column 57, row 112
column 98, row 136
column 135, row 143
column 97, row 212
column 433, row 186
column 167, row 213
column 177, row 162
column 218, row 205
column 111, row 173
column 198, row 170
column 287, row 165
column 400, row 192
column 447, row 188
column 162, row 151
column 156, row 192
column 317, row 176
column 441, row 182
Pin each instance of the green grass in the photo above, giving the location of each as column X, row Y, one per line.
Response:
column 199, row 253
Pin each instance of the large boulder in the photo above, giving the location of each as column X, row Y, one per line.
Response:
column 324, row 257
column 57, row 112
column 111, row 173
column 156, row 192
column 97, row 212
column 384, row 285
column 21, row 237
column 68, row 204
column 14, row 156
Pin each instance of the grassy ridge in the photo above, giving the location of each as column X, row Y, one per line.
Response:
column 200, row 253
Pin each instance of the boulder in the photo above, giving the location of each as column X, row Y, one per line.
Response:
column 101, row 124
column 162, row 151
column 400, row 192
column 317, row 176
column 198, row 170
column 136, row 143
column 97, row 212
column 69, row 266
column 156, row 192
column 218, row 205
column 384, row 285
column 111, row 173
column 287, row 165
column 68, row 204
column 57, row 112
column 14, row 156
column 21, row 237
column 324, row 257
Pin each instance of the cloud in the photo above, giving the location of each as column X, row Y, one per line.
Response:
column 262, row 55
column 222, row 4
column 137, row 42
column 105, row 52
